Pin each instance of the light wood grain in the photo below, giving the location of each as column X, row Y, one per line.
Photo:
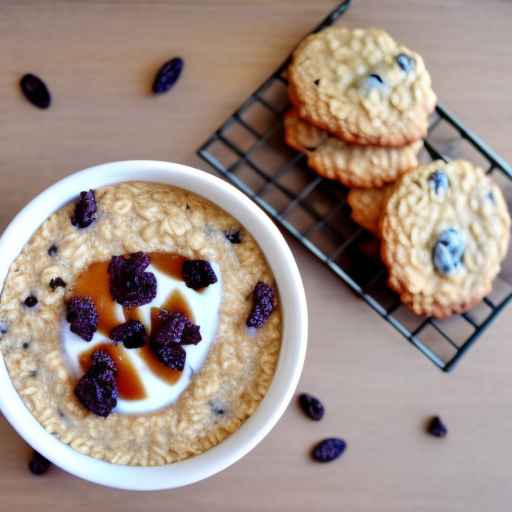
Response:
column 99, row 57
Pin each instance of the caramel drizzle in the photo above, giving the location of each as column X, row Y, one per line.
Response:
column 94, row 282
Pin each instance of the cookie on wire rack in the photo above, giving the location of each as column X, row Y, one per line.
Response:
column 361, row 86
column 367, row 205
column 354, row 166
column 445, row 231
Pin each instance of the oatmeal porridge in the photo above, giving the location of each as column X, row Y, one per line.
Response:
column 141, row 324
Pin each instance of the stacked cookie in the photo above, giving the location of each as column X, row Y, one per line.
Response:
column 362, row 103
column 361, row 106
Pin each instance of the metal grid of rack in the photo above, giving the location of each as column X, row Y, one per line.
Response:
column 249, row 151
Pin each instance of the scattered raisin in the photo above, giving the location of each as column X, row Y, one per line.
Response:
column 30, row 301
column 317, row 82
column 263, row 305
column 311, row 406
column 167, row 75
column 132, row 334
column 38, row 464
column 35, row 90
column 57, row 282
column 25, row 345
column 436, row 427
column 233, row 236
column 97, row 388
column 198, row 274
column 130, row 286
column 82, row 316
column 85, row 210
column 53, row 250
column 328, row 450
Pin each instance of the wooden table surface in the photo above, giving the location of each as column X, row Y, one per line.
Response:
column 99, row 58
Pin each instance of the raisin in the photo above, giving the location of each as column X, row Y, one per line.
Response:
column 35, row 91
column 101, row 360
column 57, row 282
column 38, row 464
column 168, row 75
column 405, row 63
column 171, row 328
column 438, row 181
column 317, row 82
column 30, row 301
column 191, row 334
column 97, row 389
column 198, row 274
column 25, row 345
column 82, row 317
column 176, row 328
column 233, row 236
column 263, row 305
column 217, row 408
column 132, row 334
column 171, row 354
column 373, row 81
column 311, row 406
column 328, row 450
column 53, row 250
column 3, row 327
column 448, row 252
column 85, row 210
column 436, row 427
column 130, row 286
column 376, row 77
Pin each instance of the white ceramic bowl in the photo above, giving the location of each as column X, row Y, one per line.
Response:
column 293, row 304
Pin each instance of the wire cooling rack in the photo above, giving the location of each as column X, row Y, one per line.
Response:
column 249, row 151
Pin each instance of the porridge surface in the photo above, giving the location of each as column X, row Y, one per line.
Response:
column 135, row 217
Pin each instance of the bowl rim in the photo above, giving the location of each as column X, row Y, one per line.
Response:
column 294, row 336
